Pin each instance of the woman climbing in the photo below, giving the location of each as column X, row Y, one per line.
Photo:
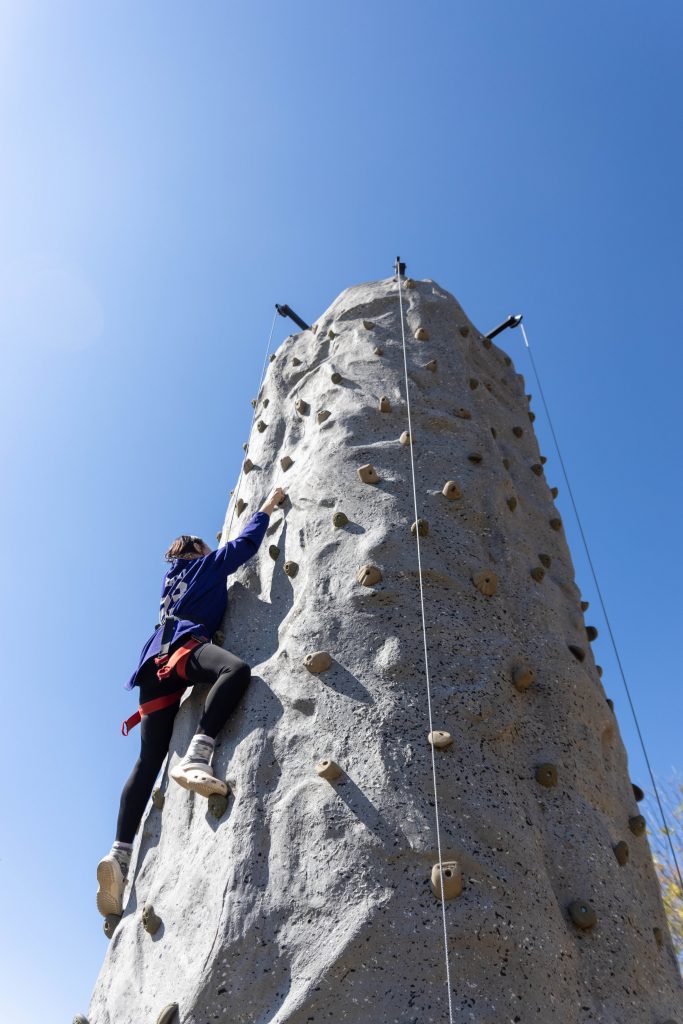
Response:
column 178, row 654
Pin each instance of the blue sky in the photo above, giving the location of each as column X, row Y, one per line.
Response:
column 169, row 171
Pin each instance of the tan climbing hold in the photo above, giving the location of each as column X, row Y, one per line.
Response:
column 331, row 334
column 598, row 669
column 537, row 468
column 537, row 573
column 543, row 459
column 463, row 414
column 368, row 325
column 546, row 775
column 555, row 523
column 303, row 408
column 621, row 852
column 219, row 535
column 336, row 377
column 508, row 361
column 421, row 334
column 545, row 560
column 532, row 416
column 517, row 431
column 291, row 568
column 637, row 824
column 167, row 1014
column 328, row 769
column 464, row 330
column 486, row 582
column 486, row 342
column 405, row 437
column 451, row 490
column 248, row 465
column 340, row 519
column 274, row 552
column 440, row 739
column 369, row 575
column 431, row 365
column 158, row 799
column 409, row 283
column 368, row 474
column 582, row 914
column 577, row 651
column 584, row 606
column 151, row 922
column 296, row 361
column 637, row 792
column 286, row 462
column 659, row 939
column 554, row 491
column 446, row 880
column 474, row 383
column 245, row 446
column 253, row 402
column 592, row 632
column 420, row 527
column 512, row 503
column 610, row 704
column 523, row 677
column 317, row 662
column 240, row 506
column 378, row 351
column 475, row 457
column 384, row 404
column 261, row 426
column 322, row 415
column 272, row 357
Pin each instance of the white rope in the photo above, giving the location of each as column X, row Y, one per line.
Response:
column 667, row 830
column 258, row 396
column 426, row 653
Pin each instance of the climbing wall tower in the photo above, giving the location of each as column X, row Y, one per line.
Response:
column 324, row 892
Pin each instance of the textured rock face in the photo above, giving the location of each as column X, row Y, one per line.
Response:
column 311, row 899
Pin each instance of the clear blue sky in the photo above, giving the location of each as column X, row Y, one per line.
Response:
column 168, row 172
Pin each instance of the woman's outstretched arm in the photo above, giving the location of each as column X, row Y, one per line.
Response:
column 238, row 551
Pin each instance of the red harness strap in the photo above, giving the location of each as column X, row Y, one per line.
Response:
column 175, row 663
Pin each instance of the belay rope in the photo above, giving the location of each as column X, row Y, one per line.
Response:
column 424, row 639
column 667, row 830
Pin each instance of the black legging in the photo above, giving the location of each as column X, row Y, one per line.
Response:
column 206, row 664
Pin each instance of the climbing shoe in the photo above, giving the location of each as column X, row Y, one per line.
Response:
column 111, row 881
column 198, row 776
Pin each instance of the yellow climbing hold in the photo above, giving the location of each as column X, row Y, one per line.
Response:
column 368, row 474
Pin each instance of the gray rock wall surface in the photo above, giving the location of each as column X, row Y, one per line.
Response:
column 311, row 900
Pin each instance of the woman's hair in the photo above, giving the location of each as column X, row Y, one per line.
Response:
column 186, row 546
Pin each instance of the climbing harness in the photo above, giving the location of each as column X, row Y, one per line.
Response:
column 667, row 830
column 168, row 664
column 400, row 273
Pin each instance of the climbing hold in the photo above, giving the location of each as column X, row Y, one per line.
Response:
column 80, row 1019
column 158, row 799
column 523, row 677
column 488, row 385
column 532, row 416
column 637, row 824
column 555, row 523
column 486, row 582
column 384, row 404
column 464, row 414
column 261, row 426
column 546, row 775
column 447, row 880
column 474, row 383
column 240, row 506
column 369, row 575
column 218, row 804
column 591, row 632
column 405, row 437
column 545, row 560
column 368, row 474
column 508, row 361
column 506, row 463
column 248, row 465
column 378, row 351
column 286, row 462
column 610, row 704
column 253, row 402
column 582, row 914
column 440, row 739
column 464, row 330
column 291, row 568
column 598, row 669
column 244, row 446
column 329, row 770
column 475, row 457
column 659, row 939
column 451, row 490
column 538, row 572
column 322, row 415
column 340, row 519
column 494, row 432
column 420, row 527
column 431, row 365
column 167, row 1014
column 317, row 662
column 296, row 361
column 577, row 651
column 637, row 792
column 219, row 535
column 110, row 924
column 486, row 342
column 151, row 922
column 274, row 552
column 537, row 468
column 272, row 356
column 336, row 377
column 621, row 852
column 517, row 431
column 409, row 283
column 554, row 491
column 512, row 503
column 368, row 325
column 543, row 459
column 584, row 606
column 303, row 408
column 421, row 334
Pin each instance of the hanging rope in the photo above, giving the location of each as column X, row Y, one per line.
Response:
column 251, row 428
column 426, row 653
column 667, row 831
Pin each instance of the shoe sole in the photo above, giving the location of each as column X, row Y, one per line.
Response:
column 200, row 782
column 109, row 901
